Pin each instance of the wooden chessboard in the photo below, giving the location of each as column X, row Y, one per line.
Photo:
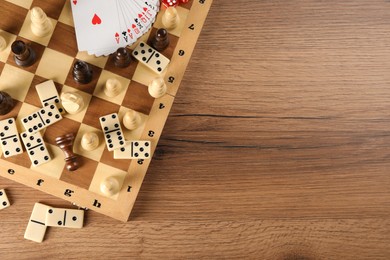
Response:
column 56, row 55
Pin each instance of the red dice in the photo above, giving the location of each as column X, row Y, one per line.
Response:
column 169, row 3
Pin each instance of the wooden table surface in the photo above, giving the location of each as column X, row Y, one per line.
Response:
column 277, row 146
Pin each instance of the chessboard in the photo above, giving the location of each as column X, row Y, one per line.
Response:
column 56, row 55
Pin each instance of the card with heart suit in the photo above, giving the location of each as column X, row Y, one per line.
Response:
column 103, row 26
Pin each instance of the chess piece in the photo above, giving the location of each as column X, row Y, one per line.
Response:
column 157, row 88
column 112, row 88
column 171, row 18
column 89, row 141
column 72, row 102
column 3, row 43
column 65, row 142
column 6, row 103
column 24, row 55
column 110, row 186
column 160, row 41
column 40, row 24
column 131, row 119
column 122, row 58
column 82, row 73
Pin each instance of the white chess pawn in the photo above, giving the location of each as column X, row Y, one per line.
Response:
column 157, row 88
column 171, row 18
column 3, row 43
column 72, row 102
column 132, row 119
column 112, row 88
column 89, row 141
column 40, row 24
column 110, row 186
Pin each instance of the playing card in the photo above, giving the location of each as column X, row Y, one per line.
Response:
column 96, row 24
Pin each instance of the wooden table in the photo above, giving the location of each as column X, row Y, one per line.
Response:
column 277, row 146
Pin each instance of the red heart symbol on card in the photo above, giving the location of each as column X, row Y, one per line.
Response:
column 74, row 2
column 96, row 20
column 145, row 9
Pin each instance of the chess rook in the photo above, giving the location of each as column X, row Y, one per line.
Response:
column 40, row 24
column 160, row 41
column 122, row 58
column 6, row 103
column 23, row 54
column 81, row 72
column 65, row 142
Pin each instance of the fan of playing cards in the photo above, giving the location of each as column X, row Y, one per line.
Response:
column 103, row 26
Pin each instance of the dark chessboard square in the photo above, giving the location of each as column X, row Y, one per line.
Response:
column 89, row 87
column 20, row 159
column 138, row 98
column 52, row 8
column 8, row 12
column 38, row 49
column 82, row 177
column 1, row 67
column 14, row 112
column 108, row 159
column 60, row 128
column 168, row 52
column 125, row 72
column 187, row 5
column 64, row 40
column 97, row 108
column 32, row 97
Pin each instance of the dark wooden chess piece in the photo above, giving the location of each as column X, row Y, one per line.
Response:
column 82, row 73
column 24, row 55
column 122, row 58
column 6, row 103
column 160, row 41
column 65, row 142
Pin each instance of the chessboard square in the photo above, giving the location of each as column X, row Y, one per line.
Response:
column 9, row 39
column 88, row 88
column 66, row 15
column 145, row 75
column 86, row 98
column 138, row 98
column 52, row 8
column 83, row 176
column 24, row 111
column 15, row 82
column 36, row 47
column 14, row 112
column 22, row 3
column 54, row 65
column 54, row 167
column 8, row 12
column 60, row 128
column 168, row 52
column 124, row 72
column 26, row 32
column 108, row 158
column 20, row 159
column 91, row 59
column 99, row 89
column 98, row 107
column 32, row 96
column 102, row 172
column 95, row 154
column 64, row 40
column 187, row 5
column 134, row 134
column 182, row 12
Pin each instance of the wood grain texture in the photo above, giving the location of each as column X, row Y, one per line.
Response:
column 276, row 146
